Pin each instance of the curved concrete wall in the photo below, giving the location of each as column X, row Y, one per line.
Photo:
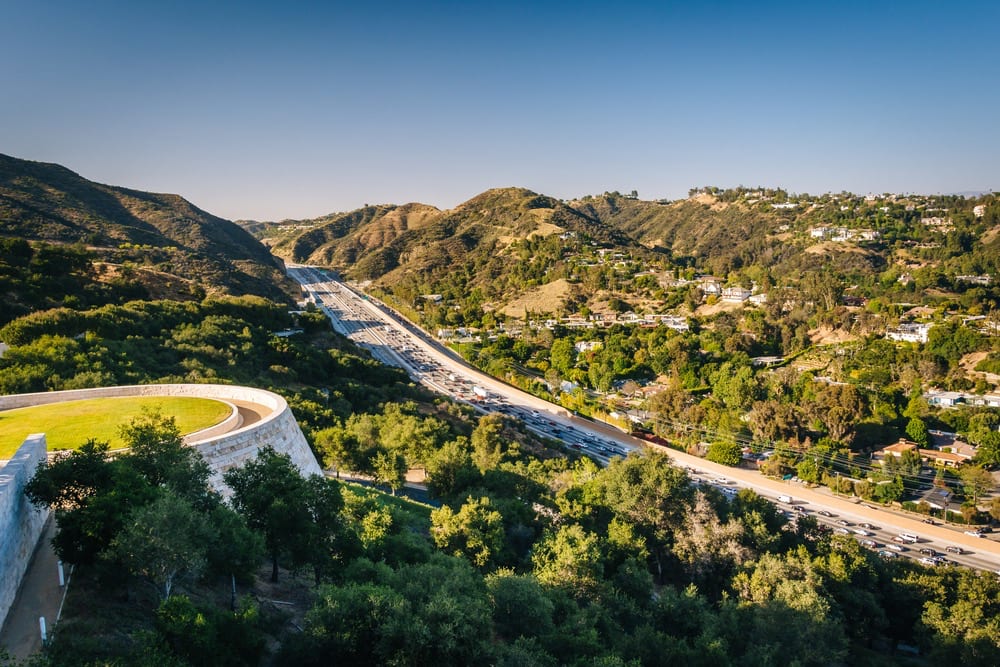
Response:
column 21, row 523
column 277, row 427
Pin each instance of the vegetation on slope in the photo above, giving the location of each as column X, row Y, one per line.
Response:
column 151, row 238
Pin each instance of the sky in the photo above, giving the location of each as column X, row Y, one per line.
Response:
column 273, row 110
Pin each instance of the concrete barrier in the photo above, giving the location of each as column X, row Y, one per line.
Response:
column 21, row 523
column 225, row 445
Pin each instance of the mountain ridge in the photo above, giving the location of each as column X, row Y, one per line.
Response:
column 151, row 234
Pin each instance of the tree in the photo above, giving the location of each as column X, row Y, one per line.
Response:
column 647, row 491
column 571, row 558
column 389, row 468
column 336, row 447
column 450, row 471
column 916, row 431
column 475, row 532
column 520, row 606
column 995, row 508
column 976, row 481
column 163, row 542
column 330, row 541
column 709, row 549
column 92, row 493
column 726, row 453
column 808, row 470
column 562, row 356
column 271, row 494
column 157, row 452
column 487, row 442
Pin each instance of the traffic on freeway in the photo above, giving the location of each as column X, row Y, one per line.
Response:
column 395, row 340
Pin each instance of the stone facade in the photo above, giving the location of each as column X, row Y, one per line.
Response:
column 21, row 523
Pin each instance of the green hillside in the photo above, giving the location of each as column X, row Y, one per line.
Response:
column 160, row 245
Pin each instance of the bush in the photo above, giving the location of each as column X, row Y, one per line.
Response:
column 210, row 637
column 726, row 453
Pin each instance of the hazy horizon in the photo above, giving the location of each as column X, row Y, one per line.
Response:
column 270, row 111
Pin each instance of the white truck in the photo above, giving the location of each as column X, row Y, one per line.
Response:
column 785, row 499
column 480, row 392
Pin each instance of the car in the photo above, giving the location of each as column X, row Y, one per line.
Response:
column 955, row 549
column 974, row 533
column 887, row 554
column 800, row 509
column 930, row 521
column 928, row 552
column 826, row 513
column 871, row 544
column 842, row 531
column 862, row 532
column 897, row 547
column 845, row 522
column 865, row 524
column 929, row 561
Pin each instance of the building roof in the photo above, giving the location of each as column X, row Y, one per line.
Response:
column 943, row 456
column 898, row 447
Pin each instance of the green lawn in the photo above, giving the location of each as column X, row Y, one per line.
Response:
column 68, row 425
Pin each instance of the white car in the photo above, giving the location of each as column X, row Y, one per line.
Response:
column 974, row 533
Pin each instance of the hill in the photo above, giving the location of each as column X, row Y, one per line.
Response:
column 160, row 242
column 478, row 246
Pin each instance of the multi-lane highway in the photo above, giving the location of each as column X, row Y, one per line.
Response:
column 394, row 340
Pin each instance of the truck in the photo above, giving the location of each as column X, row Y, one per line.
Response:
column 480, row 392
column 785, row 499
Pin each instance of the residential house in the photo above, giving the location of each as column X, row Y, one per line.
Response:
column 932, row 456
column 587, row 345
column 975, row 280
column 944, row 399
column 710, row 285
column 910, row 332
column 735, row 294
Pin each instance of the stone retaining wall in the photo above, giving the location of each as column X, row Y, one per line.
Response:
column 277, row 427
column 21, row 523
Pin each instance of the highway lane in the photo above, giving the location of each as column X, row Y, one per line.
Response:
column 394, row 340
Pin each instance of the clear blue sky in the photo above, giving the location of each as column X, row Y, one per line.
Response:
column 295, row 109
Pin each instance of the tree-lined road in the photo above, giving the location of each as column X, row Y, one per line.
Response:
column 394, row 340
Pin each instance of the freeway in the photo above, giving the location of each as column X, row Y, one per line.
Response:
column 395, row 340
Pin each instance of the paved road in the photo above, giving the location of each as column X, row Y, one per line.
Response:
column 39, row 595
column 399, row 342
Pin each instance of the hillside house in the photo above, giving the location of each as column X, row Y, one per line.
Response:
column 984, row 400
column 710, row 285
column 910, row 332
column 944, row 399
column 735, row 294
column 975, row 280
column 587, row 345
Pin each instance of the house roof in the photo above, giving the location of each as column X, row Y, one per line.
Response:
column 899, row 447
column 943, row 456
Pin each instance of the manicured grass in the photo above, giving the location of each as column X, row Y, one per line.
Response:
column 68, row 425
